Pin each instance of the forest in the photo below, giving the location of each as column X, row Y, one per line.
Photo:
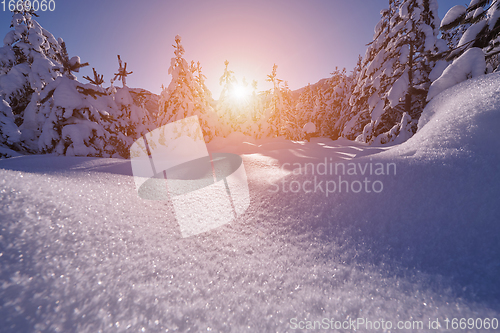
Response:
column 413, row 57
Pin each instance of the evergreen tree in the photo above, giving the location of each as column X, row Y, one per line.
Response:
column 28, row 62
column 97, row 80
column 9, row 132
column 255, row 102
column 279, row 108
column 183, row 97
column 474, row 44
column 305, row 105
column 87, row 120
column 290, row 127
column 225, row 105
column 396, row 68
column 319, row 112
column 122, row 73
column 336, row 103
column 356, row 116
column 477, row 25
column 451, row 31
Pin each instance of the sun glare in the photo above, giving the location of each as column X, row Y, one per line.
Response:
column 240, row 92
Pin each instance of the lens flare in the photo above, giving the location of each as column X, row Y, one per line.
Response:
column 240, row 92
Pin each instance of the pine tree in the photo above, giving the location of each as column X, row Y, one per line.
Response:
column 225, row 106
column 478, row 26
column 9, row 132
column 305, row 105
column 336, row 103
column 278, row 108
column 291, row 128
column 122, row 73
column 319, row 114
column 356, row 116
column 255, row 102
column 396, row 68
column 474, row 32
column 70, row 123
column 87, row 120
column 183, row 97
column 28, row 62
column 97, row 80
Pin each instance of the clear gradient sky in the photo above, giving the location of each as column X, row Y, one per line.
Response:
column 305, row 38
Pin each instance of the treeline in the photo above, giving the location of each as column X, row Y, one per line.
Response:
column 45, row 109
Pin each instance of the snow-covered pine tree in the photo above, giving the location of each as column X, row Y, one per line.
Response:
column 451, row 30
column 183, row 97
column 476, row 43
column 356, row 116
column 255, row 102
column 397, row 64
column 68, row 121
column 28, row 62
column 480, row 23
column 336, row 96
column 280, row 104
column 290, row 127
column 128, row 119
column 97, row 80
column 87, row 120
column 207, row 115
column 70, row 124
column 225, row 106
column 201, row 78
column 204, row 95
column 262, row 128
column 9, row 132
column 319, row 112
column 304, row 105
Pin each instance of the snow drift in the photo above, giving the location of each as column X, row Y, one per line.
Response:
column 80, row 251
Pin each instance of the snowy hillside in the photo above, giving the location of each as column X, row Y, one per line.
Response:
column 81, row 252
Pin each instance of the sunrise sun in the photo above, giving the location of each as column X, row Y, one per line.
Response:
column 240, row 92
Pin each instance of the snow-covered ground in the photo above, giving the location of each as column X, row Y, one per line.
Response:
column 81, row 252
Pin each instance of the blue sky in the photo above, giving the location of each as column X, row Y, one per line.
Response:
column 306, row 39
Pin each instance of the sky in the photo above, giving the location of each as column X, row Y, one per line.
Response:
column 306, row 39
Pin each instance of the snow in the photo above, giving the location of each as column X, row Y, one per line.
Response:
column 74, row 61
column 430, row 38
column 470, row 108
column 438, row 69
column 405, row 52
column 453, row 14
column 66, row 95
column 378, row 111
column 478, row 12
column 309, row 128
column 398, row 90
column 8, row 129
column 78, row 134
column 14, row 80
column 474, row 3
column 471, row 33
column 7, row 152
column 81, row 251
column 7, row 59
column 470, row 64
column 493, row 16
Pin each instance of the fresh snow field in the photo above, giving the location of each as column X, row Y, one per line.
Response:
column 81, row 252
